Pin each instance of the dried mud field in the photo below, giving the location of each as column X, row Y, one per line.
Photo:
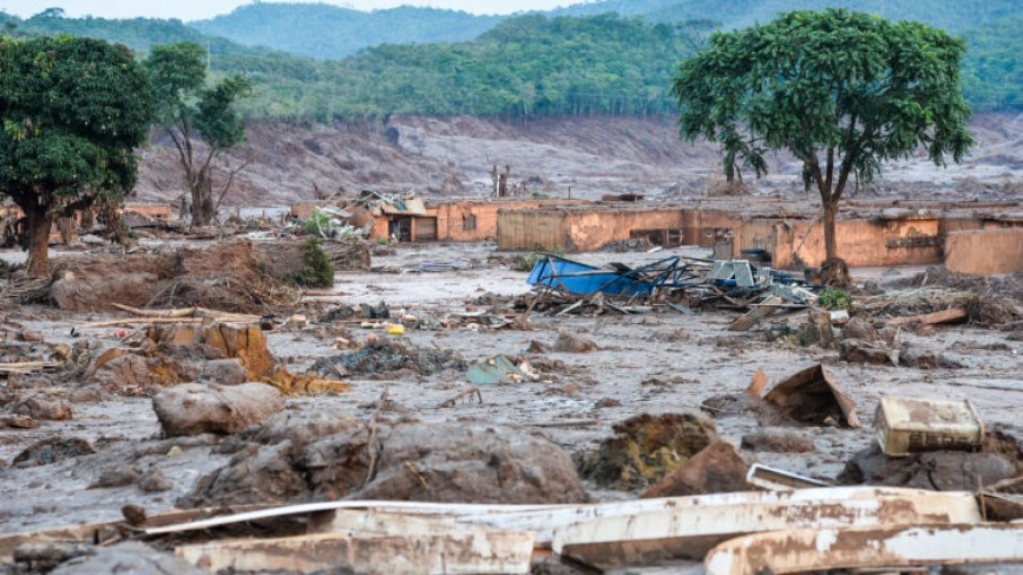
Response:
column 658, row 362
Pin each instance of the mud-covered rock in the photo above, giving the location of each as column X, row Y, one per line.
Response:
column 939, row 470
column 44, row 408
column 302, row 426
column 645, row 448
column 191, row 409
column 448, row 462
column 129, row 557
column 473, row 463
column 716, row 468
column 859, row 351
column 155, row 481
column 262, row 474
column 115, row 477
column 859, row 328
column 52, row 450
column 228, row 371
column 572, row 343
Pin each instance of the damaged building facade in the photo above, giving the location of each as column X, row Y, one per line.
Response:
column 984, row 239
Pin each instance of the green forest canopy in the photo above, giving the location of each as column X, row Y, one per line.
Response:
column 524, row 66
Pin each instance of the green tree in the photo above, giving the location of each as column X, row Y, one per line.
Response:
column 73, row 111
column 843, row 91
column 187, row 110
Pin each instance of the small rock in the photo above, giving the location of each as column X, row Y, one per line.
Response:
column 225, row 371
column 52, row 450
column 571, row 343
column 859, row 351
column 154, row 482
column 778, row 441
column 43, row 408
column 117, row 477
column 134, row 514
column 538, row 347
column 859, row 328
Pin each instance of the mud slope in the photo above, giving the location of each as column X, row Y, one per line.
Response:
column 591, row 156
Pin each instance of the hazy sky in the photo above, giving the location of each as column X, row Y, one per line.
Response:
column 201, row 9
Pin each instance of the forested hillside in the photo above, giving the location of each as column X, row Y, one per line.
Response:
column 533, row 65
column 952, row 15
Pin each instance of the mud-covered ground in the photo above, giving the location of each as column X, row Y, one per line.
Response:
column 663, row 361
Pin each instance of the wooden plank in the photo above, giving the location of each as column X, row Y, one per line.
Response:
column 950, row 315
column 667, row 534
column 753, row 316
column 888, row 547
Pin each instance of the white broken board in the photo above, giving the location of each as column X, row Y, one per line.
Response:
column 888, row 548
column 540, row 519
column 688, row 532
column 471, row 551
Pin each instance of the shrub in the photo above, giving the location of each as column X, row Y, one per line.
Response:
column 316, row 271
column 834, row 298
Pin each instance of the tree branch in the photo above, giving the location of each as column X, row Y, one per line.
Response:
column 230, row 181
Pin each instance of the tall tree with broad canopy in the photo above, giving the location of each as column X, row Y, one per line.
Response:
column 843, row 91
column 73, row 112
column 186, row 110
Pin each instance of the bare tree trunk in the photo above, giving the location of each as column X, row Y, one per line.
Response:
column 110, row 216
column 39, row 221
column 830, row 241
column 202, row 199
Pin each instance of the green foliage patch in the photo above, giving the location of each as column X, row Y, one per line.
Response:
column 317, row 271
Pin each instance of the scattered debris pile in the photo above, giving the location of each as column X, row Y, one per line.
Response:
column 384, row 355
column 565, row 286
column 227, row 277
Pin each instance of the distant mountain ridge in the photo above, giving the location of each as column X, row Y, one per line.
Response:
column 324, row 31
column 541, row 63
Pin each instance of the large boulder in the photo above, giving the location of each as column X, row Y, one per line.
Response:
column 192, row 408
column 444, row 462
column 454, row 462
